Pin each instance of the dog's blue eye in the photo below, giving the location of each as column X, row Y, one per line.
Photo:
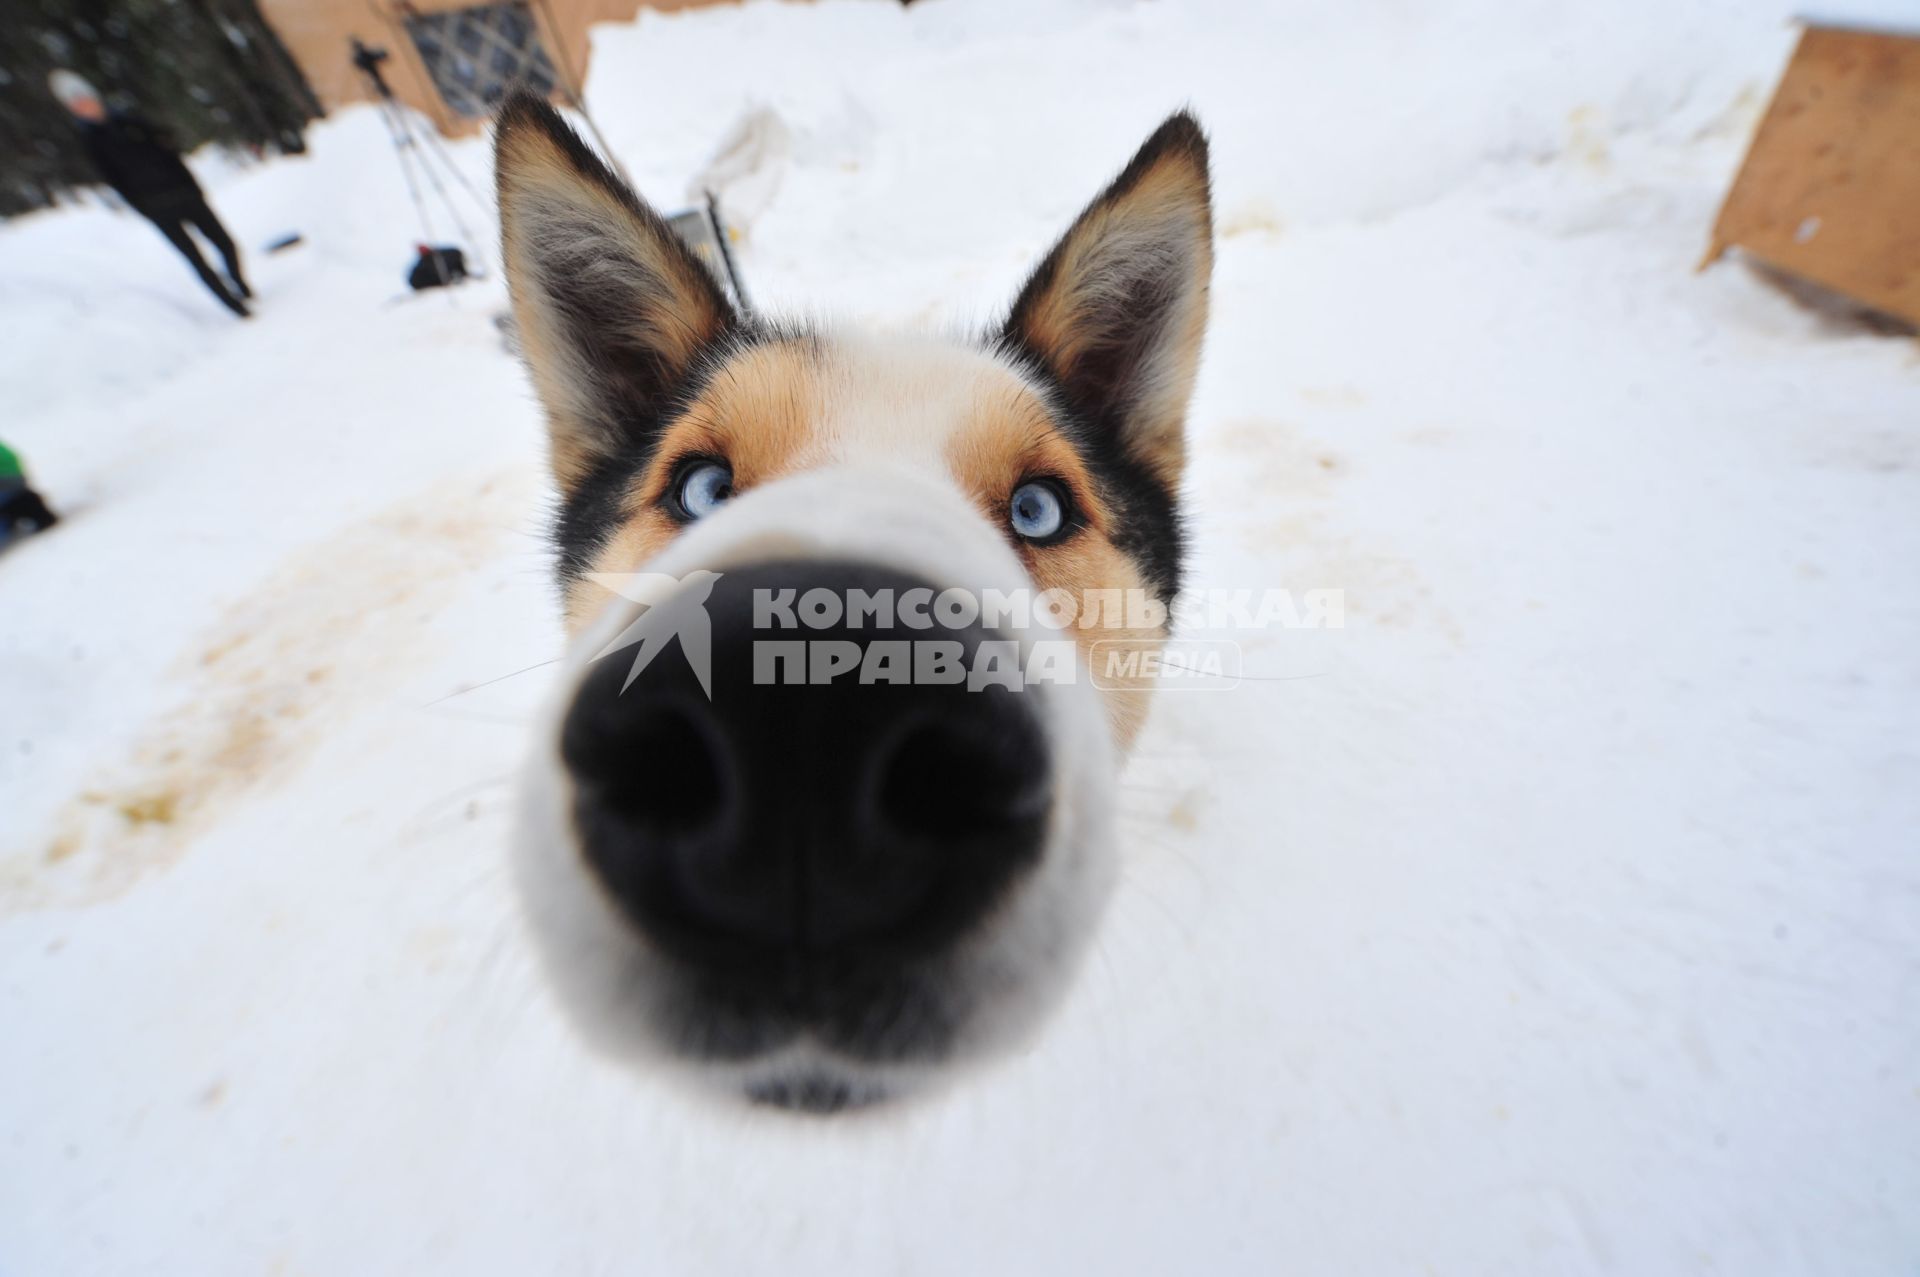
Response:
column 1036, row 511
column 705, row 488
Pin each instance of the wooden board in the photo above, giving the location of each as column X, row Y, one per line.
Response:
column 1830, row 189
column 316, row 32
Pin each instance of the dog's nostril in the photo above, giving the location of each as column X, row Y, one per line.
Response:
column 652, row 761
column 957, row 779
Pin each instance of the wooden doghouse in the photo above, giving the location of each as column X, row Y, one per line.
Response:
column 1830, row 189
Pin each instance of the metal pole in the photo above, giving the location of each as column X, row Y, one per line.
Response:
column 576, row 91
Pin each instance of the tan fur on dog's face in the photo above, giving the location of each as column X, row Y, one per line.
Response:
column 777, row 409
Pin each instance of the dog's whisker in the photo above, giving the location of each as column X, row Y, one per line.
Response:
column 525, row 669
column 480, row 716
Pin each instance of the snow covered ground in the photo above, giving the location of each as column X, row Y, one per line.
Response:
column 1560, row 914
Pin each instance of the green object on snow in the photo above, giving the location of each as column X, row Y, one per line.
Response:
column 10, row 467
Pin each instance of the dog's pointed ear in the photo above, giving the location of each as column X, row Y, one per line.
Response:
column 1116, row 312
column 614, row 310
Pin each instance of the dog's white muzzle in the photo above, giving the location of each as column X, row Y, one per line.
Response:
column 815, row 1005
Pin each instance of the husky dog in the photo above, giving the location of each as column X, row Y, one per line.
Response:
column 821, row 891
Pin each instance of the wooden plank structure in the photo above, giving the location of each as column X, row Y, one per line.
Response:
column 317, row 33
column 1830, row 188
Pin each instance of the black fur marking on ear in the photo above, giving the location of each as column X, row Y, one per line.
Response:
column 1097, row 384
column 523, row 110
column 605, row 299
column 1091, row 404
column 634, row 385
column 1179, row 133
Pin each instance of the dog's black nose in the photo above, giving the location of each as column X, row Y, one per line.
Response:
column 873, row 808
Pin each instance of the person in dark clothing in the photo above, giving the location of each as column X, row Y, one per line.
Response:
column 21, row 508
column 134, row 158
